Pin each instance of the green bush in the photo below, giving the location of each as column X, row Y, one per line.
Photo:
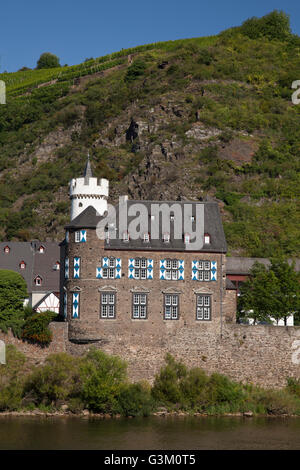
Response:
column 275, row 25
column 135, row 400
column 54, row 382
column 13, row 291
column 12, row 379
column 48, row 61
column 36, row 330
column 102, row 378
column 135, row 70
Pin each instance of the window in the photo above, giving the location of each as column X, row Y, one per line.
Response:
column 187, row 238
column 22, row 265
column 108, row 305
column 125, row 237
column 166, row 237
column 202, row 270
column 41, row 249
column 111, row 268
column 146, row 237
column 203, row 307
column 139, row 306
column 171, row 306
column 140, row 268
column 38, row 281
column 56, row 266
column 206, row 239
column 6, row 249
column 172, row 269
column 77, row 237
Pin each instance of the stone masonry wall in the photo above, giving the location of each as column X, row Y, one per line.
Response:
column 34, row 353
column 262, row 354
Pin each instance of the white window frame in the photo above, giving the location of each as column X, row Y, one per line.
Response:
column 77, row 236
column 171, row 306
column 139, row 306
column 108, row 305
column 203, row 307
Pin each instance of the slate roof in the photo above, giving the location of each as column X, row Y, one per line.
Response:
column 238, row 265
column 37, row 264
column 89, row 218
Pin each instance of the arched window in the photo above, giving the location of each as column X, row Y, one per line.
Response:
column 38, row 281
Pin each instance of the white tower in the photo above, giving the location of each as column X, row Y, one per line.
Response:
column 87, row 191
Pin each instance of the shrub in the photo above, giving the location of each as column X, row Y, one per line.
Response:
column 35, row 329
column 55, row 381
column 275, row 25
column 13, row 291
column 48, row 61
column 293, row 386
column 135, row 70
column 135, row 400
column 102, row 378
column 11, row 379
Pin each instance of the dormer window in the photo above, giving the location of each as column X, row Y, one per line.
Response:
column 22, row 265
column 41, row 249
column 192, row 218
column 206, row 239
column 166, row 237
column 146, row 237
column 172, row 217
column 187, row 238
column 38, row 281
column 125, row 237
column 6, row 249
column 56, row 266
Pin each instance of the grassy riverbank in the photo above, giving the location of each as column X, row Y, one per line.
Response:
column 96, row 385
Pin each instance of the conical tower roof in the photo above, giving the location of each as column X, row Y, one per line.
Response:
column 88, row 170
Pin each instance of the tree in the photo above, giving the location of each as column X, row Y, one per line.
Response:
column 13, row 291
column 275, row 25
column 270, row 293
column 48, row 61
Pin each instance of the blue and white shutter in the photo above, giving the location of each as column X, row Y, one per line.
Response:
column 162, row 269
column 150, row 269
column 99, row 273
column 118, row 269
column 213, row 271
column 131, row 268
column 194, row 270
column 83, row 235
column 76, row 267
column 66, row 268
column 180, row 270
column 105, row 262
column 75, row 305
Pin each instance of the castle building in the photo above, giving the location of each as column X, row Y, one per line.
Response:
column 141, row 285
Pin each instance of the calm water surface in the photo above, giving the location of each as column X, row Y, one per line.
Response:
column 182, row 433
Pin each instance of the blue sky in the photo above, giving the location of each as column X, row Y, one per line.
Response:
column 77, row 29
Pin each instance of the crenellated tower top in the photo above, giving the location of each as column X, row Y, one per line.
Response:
column 88, row 191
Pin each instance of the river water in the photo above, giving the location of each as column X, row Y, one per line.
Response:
column 180, row 433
